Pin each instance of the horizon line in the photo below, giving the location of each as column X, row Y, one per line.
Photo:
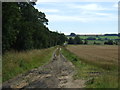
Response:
column 92, row 33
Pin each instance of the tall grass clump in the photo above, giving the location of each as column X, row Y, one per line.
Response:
column 15, row 63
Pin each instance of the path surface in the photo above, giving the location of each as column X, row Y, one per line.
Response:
column 56, row 74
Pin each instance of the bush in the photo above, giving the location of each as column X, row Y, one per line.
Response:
column 91, row 38
column 85, row 42
column 76, row 40
column 109, row 42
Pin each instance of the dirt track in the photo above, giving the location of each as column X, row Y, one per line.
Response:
column 56, row 74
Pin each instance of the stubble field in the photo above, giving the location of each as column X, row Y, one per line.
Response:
column 101, row 55
column 97, row 64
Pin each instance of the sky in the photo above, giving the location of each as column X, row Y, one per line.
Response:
column 80, row 17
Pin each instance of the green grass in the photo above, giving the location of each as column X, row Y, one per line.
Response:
column 96, row 77
column 100, row 42
column 110, row 37
column 102, row 37
column 91, row 42
column 15, row 63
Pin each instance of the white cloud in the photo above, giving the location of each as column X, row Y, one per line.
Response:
column 49, row 10
column 39, row 1
column 104, row 14
column 81, row 18
column 64, row 18
column 89, row 13
column 115, row 5
column 92, row 7
column 82, row 13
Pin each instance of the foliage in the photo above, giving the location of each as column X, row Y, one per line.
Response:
column 97, row 39
column 91, row 38
column 85, row 41
column 76, row 40
column 70, row 41
column 109, row 42
column 72, row 34
column 24, row 28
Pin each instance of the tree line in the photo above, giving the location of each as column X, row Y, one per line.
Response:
column 78, row 40
column 25, row 28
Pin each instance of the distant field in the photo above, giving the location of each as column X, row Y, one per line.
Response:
column 99, row 40
column 102, row 55
column 102, row 37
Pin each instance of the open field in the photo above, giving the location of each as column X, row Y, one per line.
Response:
column 99, row 40
column 96, row 64
column 15, row 63
column 102, row 37
column 106, row 56
column 97, row 37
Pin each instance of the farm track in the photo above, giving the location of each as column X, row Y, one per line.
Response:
column 56, row 74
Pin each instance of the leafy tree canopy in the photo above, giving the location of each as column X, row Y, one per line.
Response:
column 24, row 28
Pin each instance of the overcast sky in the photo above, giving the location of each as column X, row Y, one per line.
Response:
column 81, row 17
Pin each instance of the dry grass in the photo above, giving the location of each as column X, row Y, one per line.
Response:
column 15, row 63
column 101, row 55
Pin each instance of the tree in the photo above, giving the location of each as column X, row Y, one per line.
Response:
column 109, row 42
column 10, row 20
column 72, row 34
column 24, row 28
column 77, row 40
column 94, row 42
column 70, row 41
column 91, row 38
column 85, row 42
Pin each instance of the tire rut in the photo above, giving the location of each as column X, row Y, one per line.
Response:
column 56, row 74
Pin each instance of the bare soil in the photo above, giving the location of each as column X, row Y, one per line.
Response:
column 58, row 73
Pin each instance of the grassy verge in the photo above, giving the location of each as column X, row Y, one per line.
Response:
column 96, row 77
column 15, row 63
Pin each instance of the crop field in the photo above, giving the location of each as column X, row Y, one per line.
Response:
column 102, row 55
column 99, row 62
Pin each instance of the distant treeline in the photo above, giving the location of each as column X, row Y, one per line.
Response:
column 112, row 34
column 73, row 35
column 78, row 40
column 24, row 28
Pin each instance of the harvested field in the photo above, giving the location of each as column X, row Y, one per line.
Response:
column 104, row 55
